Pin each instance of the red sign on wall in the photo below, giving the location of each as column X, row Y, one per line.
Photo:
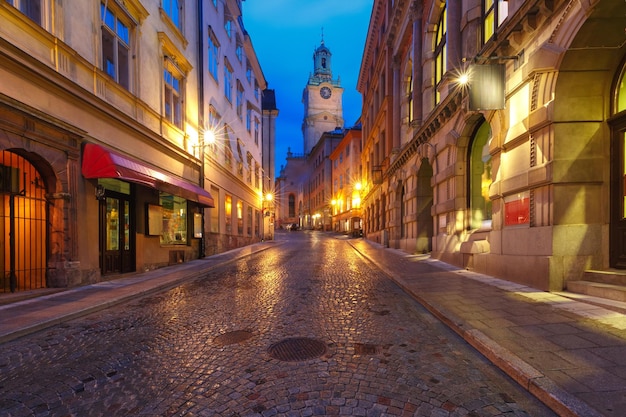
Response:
column 517, row 212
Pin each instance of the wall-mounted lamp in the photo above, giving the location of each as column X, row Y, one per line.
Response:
column 100, row 192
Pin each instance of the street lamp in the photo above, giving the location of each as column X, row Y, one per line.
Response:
column 268, row 216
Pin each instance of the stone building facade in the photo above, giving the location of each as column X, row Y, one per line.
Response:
column 106, row 109
column 516, row 171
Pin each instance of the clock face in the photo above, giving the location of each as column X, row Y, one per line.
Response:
column 325, row 92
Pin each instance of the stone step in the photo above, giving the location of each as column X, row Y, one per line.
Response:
column 609, row 276
column 598, row 289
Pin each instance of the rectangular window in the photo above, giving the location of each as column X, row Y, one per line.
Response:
column 228, row 213
column 239, row 218
column 239, row 52
column 228, row 80
column 228, row 26
column 239, row 103
column 248, row 120
column 172, row 99
column 173, row 9
column 174, row 211
column 31, row 8
column 115, row 48
column 249, row 221
column 214, row 50
column 249, row 74
column 215, row 211
column 494, row 14
column 256, row 131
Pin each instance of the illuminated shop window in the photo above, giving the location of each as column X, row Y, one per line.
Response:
column 621, row 93
column 174, row 210
column 480, row 178
column 228, row 213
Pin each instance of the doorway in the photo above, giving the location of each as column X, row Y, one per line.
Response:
column 23, row 225
column 617, row 253
column 117, row 229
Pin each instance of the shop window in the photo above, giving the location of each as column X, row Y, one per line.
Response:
column 116, row 46
column 480, row 178
column 621, row 93
column 228, row 213
column 239, row 218
column 215, row 212
column 174, row 212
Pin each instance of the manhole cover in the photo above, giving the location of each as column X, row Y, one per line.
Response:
column 297, row 349
column 233, row 337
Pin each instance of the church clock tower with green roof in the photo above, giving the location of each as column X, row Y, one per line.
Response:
column 322, row 98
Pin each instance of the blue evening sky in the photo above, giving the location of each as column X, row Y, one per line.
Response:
column 284, row 34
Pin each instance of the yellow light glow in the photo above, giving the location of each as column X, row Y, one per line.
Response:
column 209, row 137
column 269, row 197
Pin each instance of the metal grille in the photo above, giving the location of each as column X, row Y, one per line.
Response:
column 22, row 225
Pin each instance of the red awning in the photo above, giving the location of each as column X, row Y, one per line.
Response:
column 99, row 162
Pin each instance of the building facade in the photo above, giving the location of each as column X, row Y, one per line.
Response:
column 304, row 185
column 105, row 113
column 346, row 183
column 515, row 171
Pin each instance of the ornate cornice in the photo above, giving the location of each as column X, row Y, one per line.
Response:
column 444, row 112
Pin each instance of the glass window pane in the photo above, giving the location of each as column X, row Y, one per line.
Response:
column 123, row 66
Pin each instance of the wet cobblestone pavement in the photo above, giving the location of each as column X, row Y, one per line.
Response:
column 306, row 328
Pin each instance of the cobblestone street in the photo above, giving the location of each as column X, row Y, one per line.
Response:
column 305, row 328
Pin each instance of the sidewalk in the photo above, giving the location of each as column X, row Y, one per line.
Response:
column 570, row 353
column 567, row 350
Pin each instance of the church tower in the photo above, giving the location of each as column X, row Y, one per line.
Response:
column 322, row 98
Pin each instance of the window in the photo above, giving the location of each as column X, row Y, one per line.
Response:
column 174, row 10
column 174, row 210
column 409, row 91
column 172, row 98
column 256, row 90
column 249, row 171
column 215, row 3
column 292, row 206
column 256, row 131
column 239, row 218
column 228, row 212
column 214, row 49
column 215, row 211
column 228, row 81
column 249, row 221
column 480, row 178
column 239, row 50
column 249, row 74
column 115, row 47
column 440, row 53
column 228, row 26
column 31, row 8
column 248, row 120
column 239, row 98
column 494, row 13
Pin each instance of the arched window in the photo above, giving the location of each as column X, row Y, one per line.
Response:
column 621, row 93
column 441, row 53
column 409, row 90
column 480, row 178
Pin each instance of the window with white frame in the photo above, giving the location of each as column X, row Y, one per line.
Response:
column 257, row 123
column 116, row 45
column 173, row 96
column 249, row 73
column 213, row 54
column 174, row 10
column 248, row 120
column 33, row 9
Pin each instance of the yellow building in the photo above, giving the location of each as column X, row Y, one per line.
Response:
column 516, row 171
column 105, row 113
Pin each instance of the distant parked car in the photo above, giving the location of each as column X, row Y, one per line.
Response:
column 293, row 226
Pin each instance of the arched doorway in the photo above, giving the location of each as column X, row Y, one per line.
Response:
column 425, row 228
column 23, row 224
column 617, row 253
